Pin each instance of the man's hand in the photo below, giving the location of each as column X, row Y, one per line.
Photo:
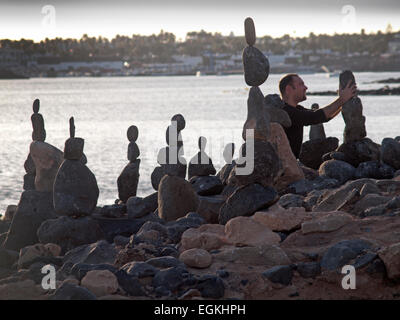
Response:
column 347, row 92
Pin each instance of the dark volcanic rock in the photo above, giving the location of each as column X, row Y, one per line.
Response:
column 69, row 233
column 313, row 150
column 374, row 170
column 75, row 189
column 96, row 253
column 256, row 66
column 308, row 269
column 33, row 208
column 128, row 181
column 207, row 185
column 72, row 292
column 79, row 270
column 273, row 104
column 279, row 274
column 211, row 287
column 247, row 200
column 250, row 31
column 390, row 152
column 130, row 284
column 140, row 269
column 171, row 278
column 139, row 207
column 7, row 258
column 113, row 211
column 336, row 169
column 360, row 151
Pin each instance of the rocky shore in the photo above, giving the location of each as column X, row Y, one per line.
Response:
column 384, row 91
column 266, row 226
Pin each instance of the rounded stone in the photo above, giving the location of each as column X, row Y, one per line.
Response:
column 73, row 149
column 133, row 151
column 202, row 143
column 196, row 258
column 132, row 133
column 256, row 66
column 180, row 120
column 250, row 31
column 36, row 105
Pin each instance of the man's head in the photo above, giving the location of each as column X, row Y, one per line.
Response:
column 292, row 88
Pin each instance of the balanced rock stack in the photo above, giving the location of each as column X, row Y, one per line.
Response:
column 128, row 180
column 75, row 187
column 228, row 153
column 171, row 158
column 313, row 150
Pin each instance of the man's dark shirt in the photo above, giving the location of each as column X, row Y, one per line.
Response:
column 301, row 117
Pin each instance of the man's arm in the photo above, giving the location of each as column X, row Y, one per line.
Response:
column 345, row 95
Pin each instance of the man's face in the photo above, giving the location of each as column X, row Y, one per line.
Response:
column 297, row 89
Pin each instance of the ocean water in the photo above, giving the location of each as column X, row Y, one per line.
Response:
column 214, row 107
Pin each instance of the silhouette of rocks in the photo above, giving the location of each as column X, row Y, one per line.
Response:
column 176, row 198
column 273, row 105
column 360, row 151
column 352, row 113
column 256, row 66
column 390, row 152
column 336, row 169
column 317, row 131
column 250, row 31
column 201, row 164
column 206, row 185
column 129, row 178
column 39, row 133
column 228, row 153
column 374, row 170
column 75, row 187
column 312, row 151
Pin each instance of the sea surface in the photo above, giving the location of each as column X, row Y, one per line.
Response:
column 214, row 107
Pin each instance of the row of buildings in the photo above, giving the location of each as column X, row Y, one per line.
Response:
column 15, row 63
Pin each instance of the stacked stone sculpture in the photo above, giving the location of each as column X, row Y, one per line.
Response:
column 128, row 180
column 201, row 164
column 317, row 131
column 356, row 147
column 228, row 153
column 171, row 158
column 75, row 190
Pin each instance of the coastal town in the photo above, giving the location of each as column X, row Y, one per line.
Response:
column 201, row 53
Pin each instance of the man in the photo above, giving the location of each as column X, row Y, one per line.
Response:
column 293, row 90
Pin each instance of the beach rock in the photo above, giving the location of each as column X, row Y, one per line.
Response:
column 290, row 170
column 391, row 258
column 363, row 150
column 73, row 148
column 152, row 232
column 29, row 254
column 7, row 258
column 369, row 188
column 225, row 171
column 75, row 189
column 374, row 169
column 131, row 285
column 256, row 66
column 368, row 201
column 165, row 262
column 282, row 220
column 175, row 229
column 211, row 287
column 273, row 105
column 247, row 200
column 244, row 231
column 308, row 269
column 10, row 212
column 69, row 233
column 291, row 200
column 33, row 208
column 21, row 290
column 138, row 207
column 47, row 160
column 207, row 237
column 94, row 253
column 265, row 255
column 196, row 258
column 38, row 133
column 331, row 222
column 206, row 185
column 336, row 169
column 72, row 292
column 250, row 31
column 79, row 270
column 390, row 152
column 209, row 207
column 265, row 165
column 170, row 278
column 100, row 282
column 312, row 151
column 29, row 182
column 317, row 130
column 139, row 269
column 342, row 252
column 128, row 180
column 279, row 274
column 156, row 177
column 176, row 198
column 113, row 211
column 201, row 164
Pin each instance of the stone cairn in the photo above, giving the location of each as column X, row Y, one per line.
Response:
column 313, row 151
column 356, row 147
column 171, row 158
column 75, row 190
column 228, row 153
column 266, row 161
column 128, row 180
column 201, row 164
column 38, row 134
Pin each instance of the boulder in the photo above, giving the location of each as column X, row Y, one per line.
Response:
column 206, row 185
column 374, row 170
column 72, row 292
column 27, row 255
column 336, row 169
column 100, row 282
column 128, row 180
column 391, row 258
column 363, row 150
column 244, row 231
column 256, row 66
column 290, row 170
column 209, row 207
column 33, row 209
column 95, row 253
column 273, row 105
column 196, row 258
column 247, row 200
column 279, row 274
column 368, row 201
column 207, row 237
column 390, row 152
column 176, row 198
column 211, row 287
column 21, row 290
column 75, row 189
column 312, row 151
column 69, row 233
column 47, row 160
column 328, row 223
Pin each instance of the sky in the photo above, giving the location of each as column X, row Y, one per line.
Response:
column 38, row 19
